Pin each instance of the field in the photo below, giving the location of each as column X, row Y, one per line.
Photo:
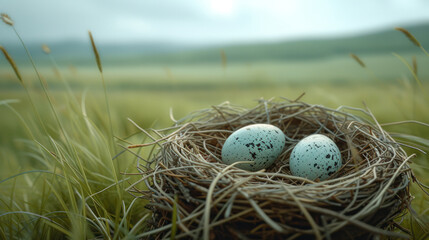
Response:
column 58, row 177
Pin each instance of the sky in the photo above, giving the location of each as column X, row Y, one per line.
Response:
column 204, row 21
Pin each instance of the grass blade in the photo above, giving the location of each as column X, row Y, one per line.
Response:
column 174, row 219
column 409, row 68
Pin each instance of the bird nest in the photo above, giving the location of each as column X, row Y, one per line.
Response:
column 193, row 195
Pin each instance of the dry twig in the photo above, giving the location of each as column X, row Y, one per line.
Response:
column 216, row 201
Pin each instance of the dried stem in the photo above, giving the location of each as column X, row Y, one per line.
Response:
column 223, row 201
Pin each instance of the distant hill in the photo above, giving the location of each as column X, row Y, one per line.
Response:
column 381, row 42
column 163, row 53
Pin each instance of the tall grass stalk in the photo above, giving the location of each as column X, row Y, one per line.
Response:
column 111, row 139
column 9, row 22
column 21, row 81
column 30, row 99
column 411, row 69
column 58, row 74
column 74, row 201
column 63, row 133
column 12, row 64
column 106, row 98
column 80, row 209
column 420, row 230
column 412, row 39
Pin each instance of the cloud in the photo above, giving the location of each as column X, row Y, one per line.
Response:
column 209, row 21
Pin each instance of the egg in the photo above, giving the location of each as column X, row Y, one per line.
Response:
column 315, row 156
column 259, row 143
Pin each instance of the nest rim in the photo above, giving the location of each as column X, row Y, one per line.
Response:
column 190, row 151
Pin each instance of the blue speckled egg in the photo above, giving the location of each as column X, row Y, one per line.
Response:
column 315, row 156
column 259, row 143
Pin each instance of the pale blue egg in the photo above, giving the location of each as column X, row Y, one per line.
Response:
column 315, row 156
column 259, row 143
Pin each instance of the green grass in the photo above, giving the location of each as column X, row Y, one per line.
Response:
column 73, row 184
column 65, row 181
column 335, row 70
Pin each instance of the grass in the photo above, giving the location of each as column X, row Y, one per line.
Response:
column 75, row 180
column 91, row 184
column 61, row 176
column 336, row 70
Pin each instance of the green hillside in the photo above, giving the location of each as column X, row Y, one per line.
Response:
column 375, row 43
column 79, row 53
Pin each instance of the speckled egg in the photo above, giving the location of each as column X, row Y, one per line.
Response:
column 315, row 156
column 259, row 143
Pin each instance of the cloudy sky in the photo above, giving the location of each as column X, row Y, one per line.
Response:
column 204, row 21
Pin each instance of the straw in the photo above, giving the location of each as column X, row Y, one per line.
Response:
column 222, row 202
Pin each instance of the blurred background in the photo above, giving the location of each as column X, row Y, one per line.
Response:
column 200, row 45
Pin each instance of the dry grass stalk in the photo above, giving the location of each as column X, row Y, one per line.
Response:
column 360, row 200
column 409, row 36
column 12, row 63
column 94, row 48
column 6, row 19
column 357, row 59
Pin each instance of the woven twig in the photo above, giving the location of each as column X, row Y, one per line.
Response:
column 216, row 201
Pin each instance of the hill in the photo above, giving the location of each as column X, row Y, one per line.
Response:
column 79, row 53
column 376, row 43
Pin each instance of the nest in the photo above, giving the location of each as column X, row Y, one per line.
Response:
column 193, row 195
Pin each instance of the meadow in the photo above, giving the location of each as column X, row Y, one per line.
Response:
column 61, row 173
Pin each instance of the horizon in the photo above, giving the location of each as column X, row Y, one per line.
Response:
column 85, row 41
column 383, row 41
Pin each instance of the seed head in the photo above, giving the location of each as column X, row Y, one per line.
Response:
column 46, row 49
column 357, row 59
column 94, row 49
column 12, row 63
column 409, row 36
column 6, row 19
